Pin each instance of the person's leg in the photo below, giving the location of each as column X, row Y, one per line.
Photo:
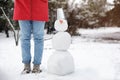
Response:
column 25, row 36
column 38, row 34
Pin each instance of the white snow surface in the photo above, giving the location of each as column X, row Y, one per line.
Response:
column 94, row 59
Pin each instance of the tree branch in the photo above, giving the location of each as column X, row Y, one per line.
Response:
column 16, row 35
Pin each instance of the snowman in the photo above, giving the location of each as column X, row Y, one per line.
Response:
column 61, row 61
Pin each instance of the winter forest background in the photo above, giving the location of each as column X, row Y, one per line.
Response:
column 79, row 13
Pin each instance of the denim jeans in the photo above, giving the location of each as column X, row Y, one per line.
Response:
column 28, row 27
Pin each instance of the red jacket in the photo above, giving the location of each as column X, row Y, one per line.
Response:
column 31, row 10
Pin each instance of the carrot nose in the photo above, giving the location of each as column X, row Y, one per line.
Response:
column 61, row 21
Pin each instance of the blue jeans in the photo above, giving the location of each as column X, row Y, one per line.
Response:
column 27, row 28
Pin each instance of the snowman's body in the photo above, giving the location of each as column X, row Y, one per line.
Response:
column 61, row 61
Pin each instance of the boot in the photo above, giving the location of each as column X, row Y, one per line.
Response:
column 36, row 69
column 26, row 69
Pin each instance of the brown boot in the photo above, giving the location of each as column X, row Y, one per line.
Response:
column 36, row 69
column 26, row 69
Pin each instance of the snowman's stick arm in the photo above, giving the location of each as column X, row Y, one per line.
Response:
column 13, row 29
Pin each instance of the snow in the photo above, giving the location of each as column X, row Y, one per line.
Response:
column 95, row 58
column 110, row 1
column 61, row 41
column 60, row 63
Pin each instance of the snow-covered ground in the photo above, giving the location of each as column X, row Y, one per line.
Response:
column 96, row 55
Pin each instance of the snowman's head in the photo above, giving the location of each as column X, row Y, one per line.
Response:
column 61, row 25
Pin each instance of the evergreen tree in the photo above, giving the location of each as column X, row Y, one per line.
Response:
column 85, row 14
column 113, row 15
column 7, row 5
